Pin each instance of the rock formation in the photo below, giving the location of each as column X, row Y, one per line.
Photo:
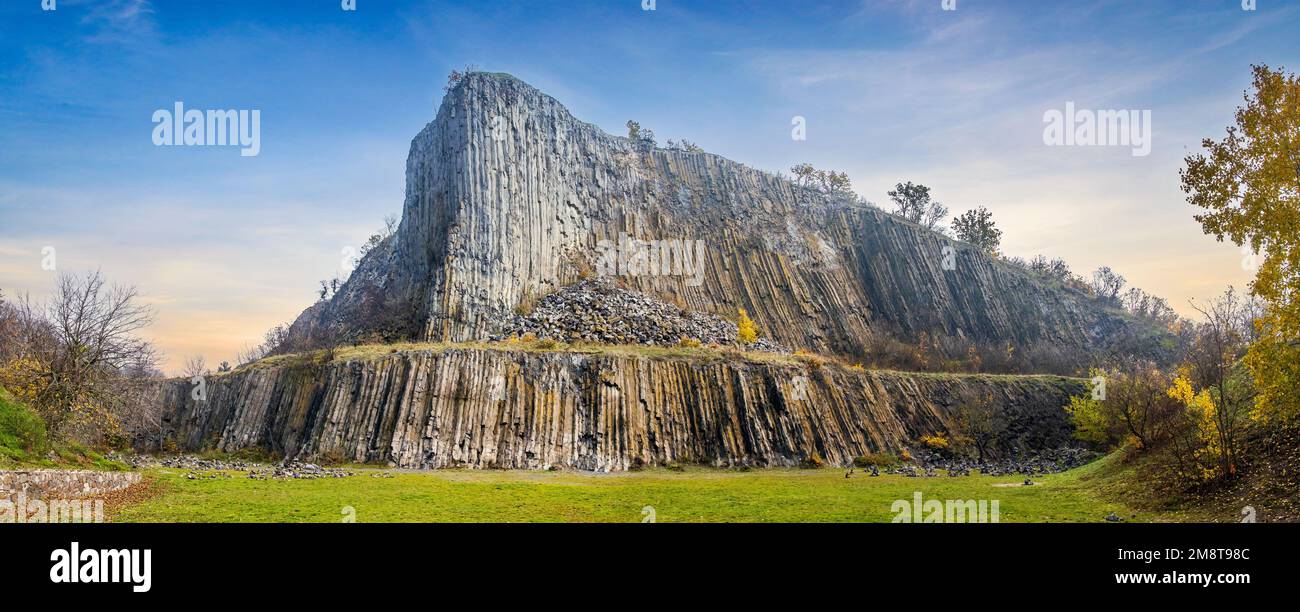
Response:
column 491, row 408
column 509, row 198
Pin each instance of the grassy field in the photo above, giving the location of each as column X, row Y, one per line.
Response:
column 695, row 495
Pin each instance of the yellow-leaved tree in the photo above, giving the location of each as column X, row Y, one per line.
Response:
column 746, row 331
column 1249, row 187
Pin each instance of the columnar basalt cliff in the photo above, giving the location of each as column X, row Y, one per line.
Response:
column 490, row 408
column 508, row 197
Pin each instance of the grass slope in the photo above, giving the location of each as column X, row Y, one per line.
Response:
column 22, row 433
column 695, row 495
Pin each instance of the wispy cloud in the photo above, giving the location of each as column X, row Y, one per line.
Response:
column 119, row 21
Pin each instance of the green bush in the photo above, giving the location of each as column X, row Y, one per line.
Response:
column 22, row 432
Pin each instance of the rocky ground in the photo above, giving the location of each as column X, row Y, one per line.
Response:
column 199, row 467
column 600, row 312
column 930, row 464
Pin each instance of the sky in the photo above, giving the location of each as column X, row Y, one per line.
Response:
column 225, row 246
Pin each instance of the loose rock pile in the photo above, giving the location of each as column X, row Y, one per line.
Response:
column 600, row 312
column 1042, row 462
column 198, row 468
column 298, row 470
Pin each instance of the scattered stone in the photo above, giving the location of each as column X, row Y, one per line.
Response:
column 1049, row 461
column 598, row 311
column 290, row 469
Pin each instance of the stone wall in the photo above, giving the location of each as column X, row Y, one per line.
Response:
column 62, row 484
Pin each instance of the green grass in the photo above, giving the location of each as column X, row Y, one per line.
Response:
column 693, row 495
column 702, row 354
column 22, row 432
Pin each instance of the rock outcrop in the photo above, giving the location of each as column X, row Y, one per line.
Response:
column 509, row 198
column 616, row 410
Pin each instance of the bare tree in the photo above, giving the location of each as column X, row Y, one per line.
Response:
column 195, row 366
column 85, row 351
column 1212, row 365
column 273, row 340
column 980, row 424
column 1106, row 284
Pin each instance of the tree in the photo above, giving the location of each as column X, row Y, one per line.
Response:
column 804, row 174
column 825, row 181
column 642, row 138
column 79, row 354
column 224, row 367
column 980, row 424
column 685, row 145
column 976, row 227
column 1213, row 380
column 836, row 182
column 1147, row 306
column 1248, row 185
column 746, row 330
column 195, row 366
column 1136, row 405
column 275, row 339
column 912, row 202
column 1106, row 284
column 456, row 76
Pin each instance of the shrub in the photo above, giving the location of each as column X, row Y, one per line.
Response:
column 812, row 462
column 22, row 432
column 689, row 343
column 937, row 442
column 812, row 360
column 546, row 344
column 746, row 330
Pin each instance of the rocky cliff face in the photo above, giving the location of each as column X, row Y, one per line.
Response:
column 488, row 408
column 509, row 197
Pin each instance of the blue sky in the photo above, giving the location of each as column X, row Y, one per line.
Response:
column 226, row 246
